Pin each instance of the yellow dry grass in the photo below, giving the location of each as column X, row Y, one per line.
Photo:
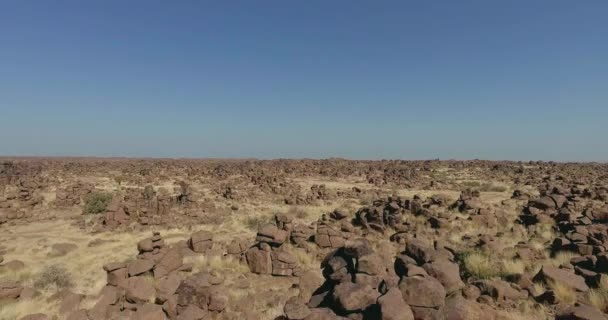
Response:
column 563, row 293
column 598, row 297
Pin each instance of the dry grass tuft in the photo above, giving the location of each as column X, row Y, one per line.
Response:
column 563, row 257
column 598, row 297
column 53, row 276
column 480, row 265
column 216, row 263
column 511, row 267
column 529, row 310
column 563, row 293
column 484, row 265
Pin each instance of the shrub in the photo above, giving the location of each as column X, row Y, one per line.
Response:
column 480, row 265
column 96, row 202
column 483, row 265
column 53, row 275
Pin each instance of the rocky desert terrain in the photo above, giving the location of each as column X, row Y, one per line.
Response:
column 92, row 238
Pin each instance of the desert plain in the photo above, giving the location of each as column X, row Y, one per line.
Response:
column 118, row 238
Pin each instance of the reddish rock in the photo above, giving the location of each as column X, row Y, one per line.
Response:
column 580, row 312
column 352, row 297
column 70, row 303
column 392, row 306
column 448, row 274
column 10, row 290
column 259, row 261
column 14, row 265
column 295, row 309
column 192, row 312
column 140, row 266
column 309, row 281
column 169, row 284
column 117, row 276
column 140, row 290
column 201, row 241
column 420, row 291
column 149, row 312
column 564, row 277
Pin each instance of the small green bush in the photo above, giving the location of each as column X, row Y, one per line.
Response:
column 53, row 275
column 96, row 202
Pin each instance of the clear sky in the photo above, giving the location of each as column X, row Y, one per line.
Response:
column 357, row 79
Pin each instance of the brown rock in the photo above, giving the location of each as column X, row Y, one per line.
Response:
column 421, row 291
column 149, row 312
column 10, row 290
column 448, row 274
column 169, row 284
column 500, row 290
column 117, row 276
column 201, row 241
column 392, row 306
column 192, row 312
column 114, row 266
column 139, row 290
column 371, row 264
column 140, row 266
column 352, row 297
column 309, row 282
column 271, row 234
column 420, row 251
column 70, row 303
column 580, row 312
column 259, row 261
column 295, row 309
column 14, row 265
column 145, row 245
column 564, row 277
column 217, row 300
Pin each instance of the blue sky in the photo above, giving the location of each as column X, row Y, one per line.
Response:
column 268, row 79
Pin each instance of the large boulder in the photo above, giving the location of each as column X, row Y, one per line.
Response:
column 309, row 282
column 140, row 290
column 140, row 266
column 567, row 278
column 296, row 309
column 447, row 272
column 201, row 241
column 420, row 251
column 271, row 234
column 259, row 261
column 392, row 306
column 422, row 291
column 354, row 297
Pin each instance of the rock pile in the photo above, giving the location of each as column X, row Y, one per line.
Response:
column 268, row 256
column 333, row 230
column 152, row 287
column 582, row 225
column 423, row 282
